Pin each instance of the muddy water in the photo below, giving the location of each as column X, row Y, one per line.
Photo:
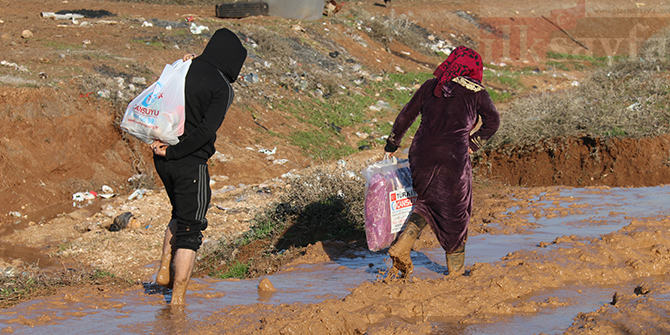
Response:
column 600, row 211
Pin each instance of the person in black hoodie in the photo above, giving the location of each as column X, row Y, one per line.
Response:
column 183, row 167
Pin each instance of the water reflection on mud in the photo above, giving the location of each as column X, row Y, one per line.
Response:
column 601, row 211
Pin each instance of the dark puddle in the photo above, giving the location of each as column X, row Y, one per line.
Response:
column 312, row 283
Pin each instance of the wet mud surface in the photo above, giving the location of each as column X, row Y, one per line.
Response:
column 541, row 259
column 559, row 260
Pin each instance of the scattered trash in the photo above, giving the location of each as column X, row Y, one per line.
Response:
column 441, row 46
column 400, row 87
column 334, row 54
column 197, row 30
column 221, row 157
column 107, row 192
column 251, row 78
column 83, row 196
column 63, row 16
column 14, row 65
column 341, row 163
column 123, row 221
column 139, row 193
column 9, row 272
column 268, row 152
column 147, row 24
column 289, row 175
column 574, row 83
column 362, row 135
column 15, row 214
column 280, row 161
column 364, row 147
column 105, row 94
column 634, row 107
column 26, row 34
column 138, row 178
column 138, row 80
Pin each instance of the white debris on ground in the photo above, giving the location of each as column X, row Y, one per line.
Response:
column 133, row 253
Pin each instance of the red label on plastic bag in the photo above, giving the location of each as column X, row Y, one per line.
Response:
column 402, row 202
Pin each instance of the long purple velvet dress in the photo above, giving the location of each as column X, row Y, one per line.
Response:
column 438, row 156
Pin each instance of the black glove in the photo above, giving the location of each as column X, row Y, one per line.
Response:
column 390, row 147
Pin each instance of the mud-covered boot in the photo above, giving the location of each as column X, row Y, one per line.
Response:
column 455, row 261
column 400, row 251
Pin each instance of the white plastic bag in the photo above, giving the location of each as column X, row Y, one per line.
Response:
column 158, row 112
column 389, row 200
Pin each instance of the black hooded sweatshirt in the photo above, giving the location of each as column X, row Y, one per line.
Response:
column 208, row 95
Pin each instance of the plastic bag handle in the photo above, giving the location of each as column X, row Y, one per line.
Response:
column 391, row 158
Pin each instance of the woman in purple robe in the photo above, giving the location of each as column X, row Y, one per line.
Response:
column 450, row 105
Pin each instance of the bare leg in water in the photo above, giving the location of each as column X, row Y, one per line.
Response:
column 165, row 277
column 184, row 259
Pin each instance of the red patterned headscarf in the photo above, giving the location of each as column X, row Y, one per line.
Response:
column 462, row 61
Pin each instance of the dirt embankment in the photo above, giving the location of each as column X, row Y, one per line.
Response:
column 584, row 161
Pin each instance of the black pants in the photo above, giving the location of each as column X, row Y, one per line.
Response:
column 187, row 186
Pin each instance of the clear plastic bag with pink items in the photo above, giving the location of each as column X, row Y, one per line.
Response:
column 382, row 178
column 158, row 112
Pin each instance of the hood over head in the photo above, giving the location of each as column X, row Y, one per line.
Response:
column 225, row 52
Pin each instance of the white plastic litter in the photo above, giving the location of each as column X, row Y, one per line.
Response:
column 66, row 16
column 83, row 196
column 138, row 194
column 197, row 30
column 268, row 152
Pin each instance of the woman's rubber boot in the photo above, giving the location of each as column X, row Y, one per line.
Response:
column 455, row 261
column 400, row 251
